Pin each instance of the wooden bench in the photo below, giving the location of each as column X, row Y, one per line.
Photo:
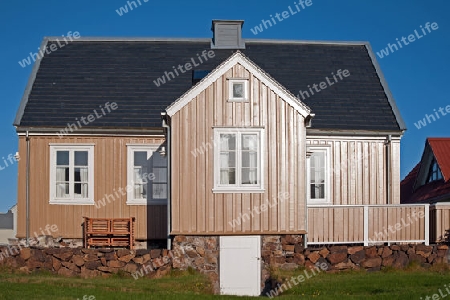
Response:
column 108, row 232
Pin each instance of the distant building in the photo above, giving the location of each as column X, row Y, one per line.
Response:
column 8, row 225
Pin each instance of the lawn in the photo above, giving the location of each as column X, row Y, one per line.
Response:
column 410, row 284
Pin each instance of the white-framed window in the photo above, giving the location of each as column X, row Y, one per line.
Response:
column 146, row 175
column 238, row 161
column 238, row 90
column 319, row 175
column 72, row 174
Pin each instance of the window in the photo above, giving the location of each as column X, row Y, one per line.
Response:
column 238, row 90
column 319, row 175
column 434, row 173
column 72, row 174
column 237, row 160
column 147, row 175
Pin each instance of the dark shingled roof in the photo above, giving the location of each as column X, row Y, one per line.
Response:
column 85, row 74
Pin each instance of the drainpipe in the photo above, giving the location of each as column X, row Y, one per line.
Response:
column 388, row 169
column 27, row 191
column 169, row 176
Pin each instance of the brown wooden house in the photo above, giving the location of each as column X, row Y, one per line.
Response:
column 228, row 138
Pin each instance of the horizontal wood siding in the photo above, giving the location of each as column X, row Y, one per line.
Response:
column 110, row 174
column 196, row 209
column 358, row 170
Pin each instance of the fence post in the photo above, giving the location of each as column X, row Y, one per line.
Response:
column 366, row 225
column 427, row 224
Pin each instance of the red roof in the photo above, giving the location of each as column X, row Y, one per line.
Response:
column 434, row 190
column 441, row 150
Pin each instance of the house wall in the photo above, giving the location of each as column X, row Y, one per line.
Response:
column 110, row 172
column 358, row 169
column 196, row 210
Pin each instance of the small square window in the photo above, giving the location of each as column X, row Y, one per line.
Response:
column 238, row 90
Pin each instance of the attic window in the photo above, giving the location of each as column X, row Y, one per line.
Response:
column 238, row 90
column 434, row 173
column 198, row 75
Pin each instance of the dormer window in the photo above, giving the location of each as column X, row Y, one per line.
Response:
column 434, row 173
column 238, row 90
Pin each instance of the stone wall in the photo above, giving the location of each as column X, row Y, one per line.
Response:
column 202, row 254
column 199, row 253
column 287, row 252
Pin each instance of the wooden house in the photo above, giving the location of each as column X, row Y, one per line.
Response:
column 227, row 137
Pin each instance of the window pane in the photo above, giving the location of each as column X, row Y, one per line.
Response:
column 227, row 142
column 140, row 158
column 159, row 191
column 228, row 176
column 317, row 175
column 238, row 90
column 160, row 174
column 227, row 159
column 62, row 158
column 317, row 191
column 80, row 187
column 250, row 142
column 81, row 158
column 249, row 176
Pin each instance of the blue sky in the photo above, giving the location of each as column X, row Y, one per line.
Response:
column 416, row 74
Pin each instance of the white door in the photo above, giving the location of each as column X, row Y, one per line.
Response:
column 240, row 265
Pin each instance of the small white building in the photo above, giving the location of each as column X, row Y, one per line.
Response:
column 8, row 225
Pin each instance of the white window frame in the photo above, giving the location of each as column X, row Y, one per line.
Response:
column 238, row 187
column 328, row 175
column 71, row 148
column 150, row 148
column 231, row 82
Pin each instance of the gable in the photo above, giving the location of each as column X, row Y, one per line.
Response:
column 239, row 59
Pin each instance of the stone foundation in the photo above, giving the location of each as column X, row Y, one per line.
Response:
column 200, row 253
column 287, row 253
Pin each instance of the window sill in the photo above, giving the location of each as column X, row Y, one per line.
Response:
column 309, row 202
column 238, row 190
column 238, row 100
column 71, row 202
column 144, row 202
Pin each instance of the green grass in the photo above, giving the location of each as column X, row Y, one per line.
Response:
column 410, row 284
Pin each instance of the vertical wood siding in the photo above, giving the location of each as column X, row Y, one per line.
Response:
column 110, row 173
column 196, row 209
column 439, row 223
column 358, row 170
column 346, row 224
